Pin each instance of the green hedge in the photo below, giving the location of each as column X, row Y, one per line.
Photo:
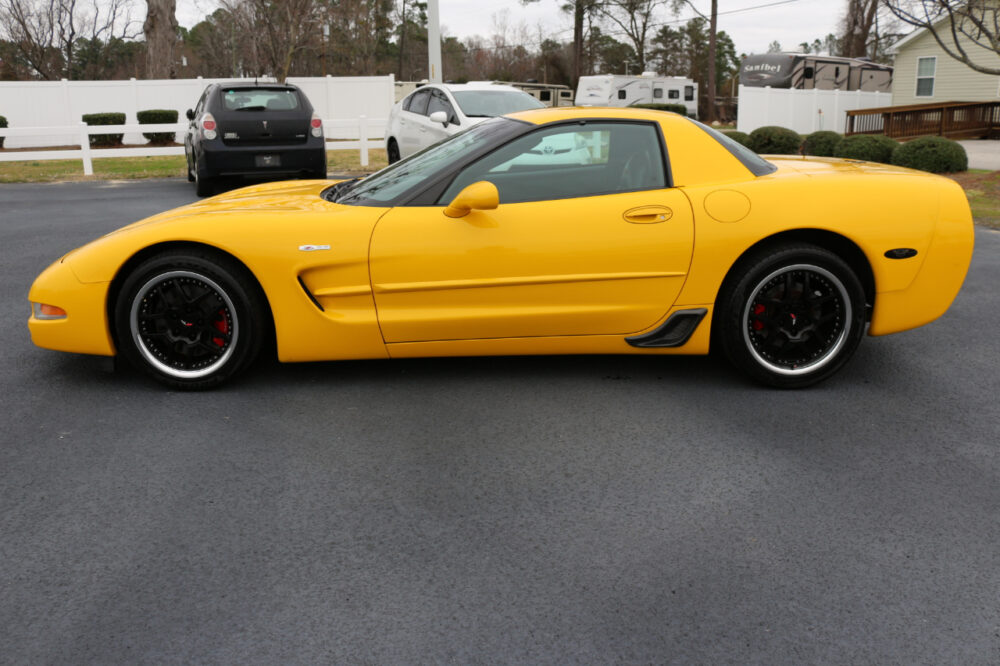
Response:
column 156, row 117
column 774, row 140
column 820, row 144
column 674, row 108
column 3, row 123
column 931, row 153
column 867, row 147
column 111, row 118
column 737, row 136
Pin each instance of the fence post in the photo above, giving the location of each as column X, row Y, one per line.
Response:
column 88, row 163
column 363, row 135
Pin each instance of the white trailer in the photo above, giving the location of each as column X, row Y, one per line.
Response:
column 621, row 90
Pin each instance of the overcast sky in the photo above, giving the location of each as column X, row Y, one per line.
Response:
column 753, row 24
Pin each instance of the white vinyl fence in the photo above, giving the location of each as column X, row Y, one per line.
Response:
column 359, row 134
column 804, row 111
column 61, row 104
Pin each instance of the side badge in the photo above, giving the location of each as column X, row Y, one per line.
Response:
column 313, row 248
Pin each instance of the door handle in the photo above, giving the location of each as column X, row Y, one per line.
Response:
column 648, row 214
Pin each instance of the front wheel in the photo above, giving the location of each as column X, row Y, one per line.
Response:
column 792, row 317
column 190, row 319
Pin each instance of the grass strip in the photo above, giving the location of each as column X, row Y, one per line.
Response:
column 172, row 166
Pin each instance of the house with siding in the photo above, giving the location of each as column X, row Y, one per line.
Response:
column 925, row 73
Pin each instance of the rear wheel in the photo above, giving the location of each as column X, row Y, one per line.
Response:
column 204, row 186
column 190, row 319
column 392, row 151
column 792, row 317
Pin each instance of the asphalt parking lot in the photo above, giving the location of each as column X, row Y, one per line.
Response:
column 546, row 510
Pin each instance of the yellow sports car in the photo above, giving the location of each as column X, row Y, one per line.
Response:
column 552, row 231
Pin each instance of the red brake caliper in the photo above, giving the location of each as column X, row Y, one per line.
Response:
column 222, row 326
column 757, row 311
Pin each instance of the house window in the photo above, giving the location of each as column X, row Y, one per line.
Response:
column 925, row 76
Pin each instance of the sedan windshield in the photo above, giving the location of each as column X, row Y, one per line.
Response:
column 393, row 181
column 487, row 103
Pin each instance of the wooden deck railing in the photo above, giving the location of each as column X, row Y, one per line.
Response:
column 950, row 119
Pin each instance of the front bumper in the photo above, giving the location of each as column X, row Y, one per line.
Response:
column 84, row 329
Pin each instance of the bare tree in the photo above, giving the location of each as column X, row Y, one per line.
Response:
column 582, row 10
column 279, row 31
column 46, row 32
column 963, row 28
column 635, row 18
column 160, row 29
column 858, row 24
column 713, row 24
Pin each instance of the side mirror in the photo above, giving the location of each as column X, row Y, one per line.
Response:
column 190, row 114
column 478, row 196
column 439, row 117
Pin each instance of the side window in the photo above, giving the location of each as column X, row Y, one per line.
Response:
column 675, row 94
column 621, row 94
column 926, row 69
column 418, row 102
column 569, row 161
column 688, row 93
column 438, row 102
column 201, row 103
column 658, row 93
column 545, row 95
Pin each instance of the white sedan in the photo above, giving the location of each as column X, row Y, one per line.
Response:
column 436, row 111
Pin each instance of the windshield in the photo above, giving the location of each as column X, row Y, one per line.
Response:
column 393, row 181
column 487, row 103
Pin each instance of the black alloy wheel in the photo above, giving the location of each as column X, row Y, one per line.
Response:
column 190, row 319
column 793, row 317
column 392, row 151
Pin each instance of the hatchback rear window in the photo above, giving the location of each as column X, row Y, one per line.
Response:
column 257, row 99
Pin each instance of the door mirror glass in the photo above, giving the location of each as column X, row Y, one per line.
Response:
column 478, row 196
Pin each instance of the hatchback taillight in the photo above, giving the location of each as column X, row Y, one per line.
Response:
column 317, row 126
column 208, row 126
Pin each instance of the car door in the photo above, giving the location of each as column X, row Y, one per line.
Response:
column 587, row 239
column 436, row 131
column 411, row 119
column 192, row 130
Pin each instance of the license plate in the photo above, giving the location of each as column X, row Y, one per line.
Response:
column 267, row 160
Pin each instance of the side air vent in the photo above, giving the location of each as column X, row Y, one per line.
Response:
column 309, row 294
column 674, row 332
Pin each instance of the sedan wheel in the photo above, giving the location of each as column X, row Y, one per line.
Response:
column 190, row 320
column 392, row 151
column 794, row 317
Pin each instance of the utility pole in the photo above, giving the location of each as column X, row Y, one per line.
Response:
column 713, row 24
column 433, row 42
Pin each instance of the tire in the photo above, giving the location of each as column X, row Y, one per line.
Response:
column 190, row 171
column 190, row 319
column 791, row 315
column 392, row 151
column 204, row 186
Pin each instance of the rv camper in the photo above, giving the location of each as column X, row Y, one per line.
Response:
column 619, row 90
column 549, row 94
column 807, row 72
